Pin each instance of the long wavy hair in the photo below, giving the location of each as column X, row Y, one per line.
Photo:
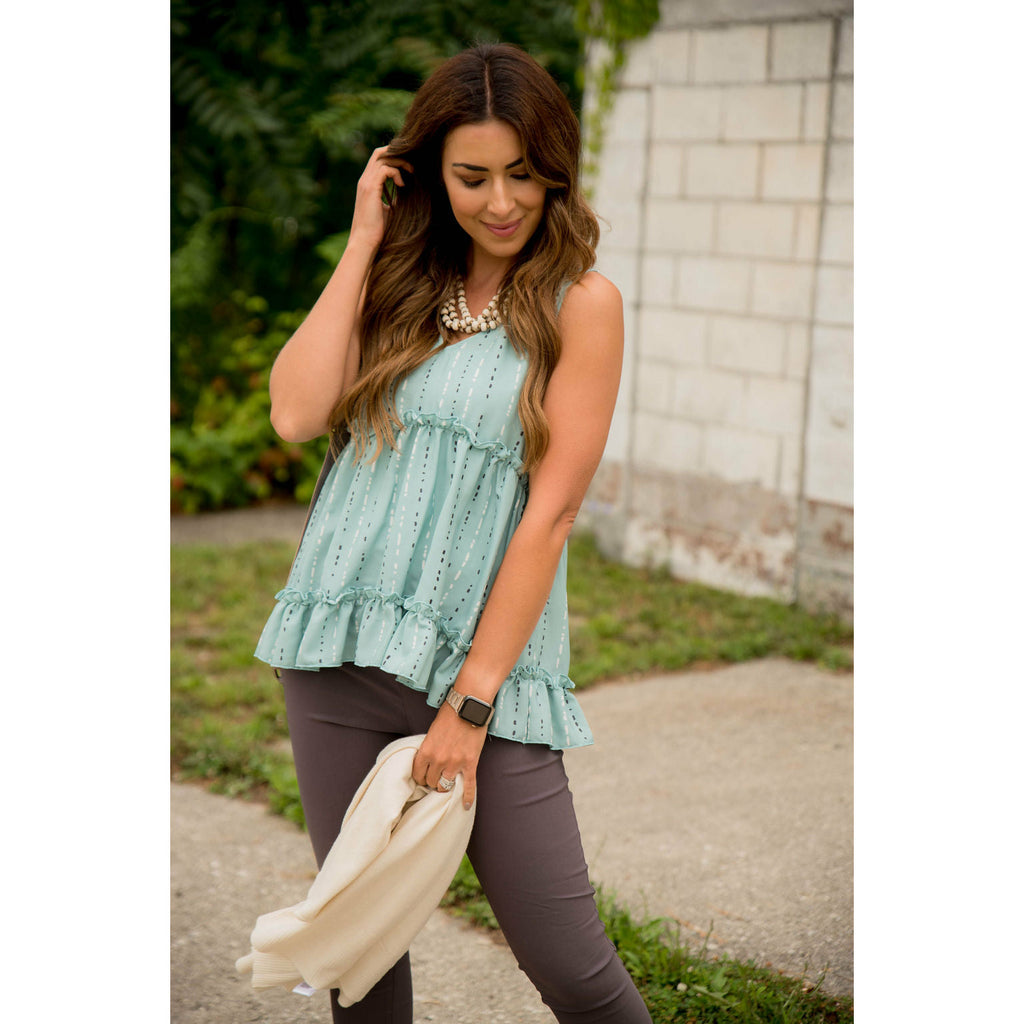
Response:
column 423, row 252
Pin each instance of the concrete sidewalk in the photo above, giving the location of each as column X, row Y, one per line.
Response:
column 722, row 799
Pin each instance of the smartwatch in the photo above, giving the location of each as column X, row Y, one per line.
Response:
column 470, row 709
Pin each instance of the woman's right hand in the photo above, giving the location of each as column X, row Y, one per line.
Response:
column 371, row 213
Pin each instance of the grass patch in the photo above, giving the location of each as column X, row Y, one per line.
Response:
column 627, row 622
column 228, row 728
column 680, row 985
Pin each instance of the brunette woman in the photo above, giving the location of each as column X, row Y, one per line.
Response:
column 465, row 361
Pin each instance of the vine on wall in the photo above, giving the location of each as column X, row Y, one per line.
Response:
column 610, row 24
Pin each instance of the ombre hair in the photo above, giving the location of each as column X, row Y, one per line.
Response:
column 424, row 250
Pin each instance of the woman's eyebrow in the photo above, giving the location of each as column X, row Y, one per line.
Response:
column 474, row 167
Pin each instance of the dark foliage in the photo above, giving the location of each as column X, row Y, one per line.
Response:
column 275, row 109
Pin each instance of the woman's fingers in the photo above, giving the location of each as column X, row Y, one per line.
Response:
column 393, row 161
column 468, row 788
column 420, row 767
column 429, row 775
column 375, row 193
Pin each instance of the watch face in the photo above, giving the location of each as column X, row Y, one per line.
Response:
column 475, row 711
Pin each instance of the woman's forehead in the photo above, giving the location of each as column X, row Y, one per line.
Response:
column 491, row 145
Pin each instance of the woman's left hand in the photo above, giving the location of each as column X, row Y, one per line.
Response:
column 450, row 746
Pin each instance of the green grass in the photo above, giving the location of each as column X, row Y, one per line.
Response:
column 680, row 985
column 632, row 622
column 228, row 727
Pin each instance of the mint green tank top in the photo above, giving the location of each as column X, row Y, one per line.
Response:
column 399, row 556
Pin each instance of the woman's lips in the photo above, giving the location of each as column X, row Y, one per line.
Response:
column 503, row 230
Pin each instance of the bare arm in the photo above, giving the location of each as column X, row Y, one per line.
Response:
column 321, row 359
column 579, row 403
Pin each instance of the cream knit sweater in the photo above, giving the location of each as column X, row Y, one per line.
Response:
column 398, row 849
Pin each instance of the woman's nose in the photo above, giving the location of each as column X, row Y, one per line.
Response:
column 500, row 203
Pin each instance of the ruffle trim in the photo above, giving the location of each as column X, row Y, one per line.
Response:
column 413, row 642
column 498, row 450
column 362, row 595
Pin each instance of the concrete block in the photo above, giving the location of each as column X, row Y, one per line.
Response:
column 755, row 229
column 666, row 175
column 830, row 410
column 808, row 224
column 793, row 171
column 709, row 282
column 747, row 345
column 762, row 112
column 837, row 234
column 686, row 112
column 842, row 110
column 639, row 67
column 621, row 172
column 728, row 171
column 828, row 470
column 740, row 536
column 798, row 350
column 678, row 225
column 801, row 51
column 605, row 498
column 654, row 387
column 791, row 448
column 815, row 111
column 667, row 444
column 657, row 280
column 735, row 54
column 741, row 456
column 619, row 219
column 782, row 289
column 826, row 533
column 839, row 185
column 844, row 64
column 671, row 52
column 823, row 588
column 673, row 336
column 835, row 295
column 620, row 267
column 621, row 432
column 627, row 121
column 775, row 406
column 709, row 396
column 645, row 544
column 831, row 355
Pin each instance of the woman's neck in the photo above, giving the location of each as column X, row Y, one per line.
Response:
column 485, row 272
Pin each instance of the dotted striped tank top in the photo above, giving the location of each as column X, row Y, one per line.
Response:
column 398, row 556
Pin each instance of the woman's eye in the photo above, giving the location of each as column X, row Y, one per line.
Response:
column 472, row 184
column 521, row 177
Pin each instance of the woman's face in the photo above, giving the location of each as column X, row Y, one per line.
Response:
column 494, row 199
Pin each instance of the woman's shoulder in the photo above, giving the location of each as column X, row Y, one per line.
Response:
column 590, row 302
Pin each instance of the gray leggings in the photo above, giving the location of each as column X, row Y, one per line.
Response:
column 525, row 846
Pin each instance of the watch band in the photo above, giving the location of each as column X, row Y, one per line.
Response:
column 470, row 709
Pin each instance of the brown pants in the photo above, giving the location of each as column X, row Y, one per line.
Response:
column 525, row 846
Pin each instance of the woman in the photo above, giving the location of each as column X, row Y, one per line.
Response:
column 428, row 592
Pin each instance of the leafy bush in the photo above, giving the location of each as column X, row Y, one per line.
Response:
column 227, row 453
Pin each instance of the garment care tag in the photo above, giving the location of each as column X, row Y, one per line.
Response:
column 303, row 989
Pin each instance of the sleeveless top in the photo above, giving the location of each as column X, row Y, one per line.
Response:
column 399, row 556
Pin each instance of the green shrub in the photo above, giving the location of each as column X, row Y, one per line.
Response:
column 226, row 453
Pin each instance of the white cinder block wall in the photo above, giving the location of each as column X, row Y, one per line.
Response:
column 725, row 191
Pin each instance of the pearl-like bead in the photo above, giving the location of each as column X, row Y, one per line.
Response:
column 455, row 314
